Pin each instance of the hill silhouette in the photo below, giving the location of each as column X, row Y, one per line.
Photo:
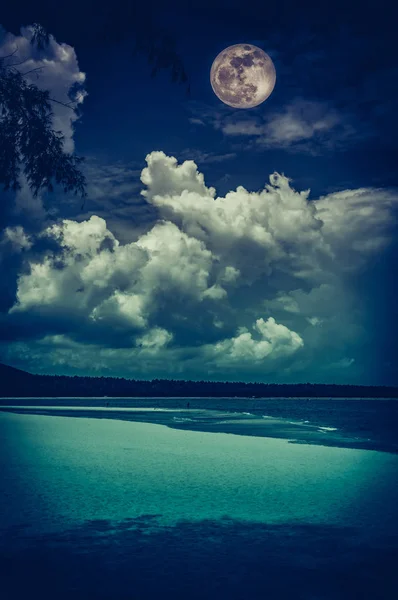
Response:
column 11, row 372
column 17, row 383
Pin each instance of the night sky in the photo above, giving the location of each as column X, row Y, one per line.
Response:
column 272, row 257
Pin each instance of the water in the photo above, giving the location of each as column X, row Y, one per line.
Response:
column 371, row 422
column 115, row 509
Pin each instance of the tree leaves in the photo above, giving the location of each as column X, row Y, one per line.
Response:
column 40, row 37
column 161, row 51
column 28, row 143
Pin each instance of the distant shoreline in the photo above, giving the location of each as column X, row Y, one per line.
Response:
column 310, row 398
column 319, row 429
column 16, row 383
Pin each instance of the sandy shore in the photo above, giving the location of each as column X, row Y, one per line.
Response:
column 237, row 423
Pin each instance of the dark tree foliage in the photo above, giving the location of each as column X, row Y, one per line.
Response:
column 40, row 37
column 15, row 382
column 124, row 19
column 162, row 54
column 28, row 142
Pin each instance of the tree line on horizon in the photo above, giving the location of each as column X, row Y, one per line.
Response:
column 26, row 384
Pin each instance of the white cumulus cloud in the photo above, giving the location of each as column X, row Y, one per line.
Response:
column 274, row 341
column 55, row 69
column 255, row 280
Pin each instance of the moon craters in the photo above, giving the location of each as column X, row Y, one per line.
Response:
column 243, row 76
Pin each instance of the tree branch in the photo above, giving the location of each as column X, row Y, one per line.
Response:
column 17, row 64
column 8, row 55
column 32, row 70
column 62, row 103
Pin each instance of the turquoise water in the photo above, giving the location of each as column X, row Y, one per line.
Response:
column 366, row 423
column 78, row 480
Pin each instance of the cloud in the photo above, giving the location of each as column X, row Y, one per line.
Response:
column 333, row 92
column 111, row 181
column 300, row 126
column 273, row 226
column 253, row 283
column 344, row 363
column 244, row 127
column 275, row 341
column 200, row 157
column 195, row 121
column 55, row 69
column 155, row 339
column 314, row 321
column 357, row 223
column 341, row 69
column 17, row 237
column 300, row 121
column 113, row 194
column 165, row 177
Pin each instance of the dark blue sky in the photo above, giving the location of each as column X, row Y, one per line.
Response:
column 338, row 57
column 318, row 273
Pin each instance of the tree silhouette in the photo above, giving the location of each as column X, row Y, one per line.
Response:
column 40, row 37
column 28, row 142
column 124, row 19
column 17, row 383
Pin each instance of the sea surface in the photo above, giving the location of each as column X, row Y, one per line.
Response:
column 146, row 502
column 370, row 423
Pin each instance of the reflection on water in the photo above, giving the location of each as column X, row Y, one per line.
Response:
column 222, row 559
column 128, row 498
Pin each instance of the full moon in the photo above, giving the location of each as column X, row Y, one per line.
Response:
column 242, row 76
